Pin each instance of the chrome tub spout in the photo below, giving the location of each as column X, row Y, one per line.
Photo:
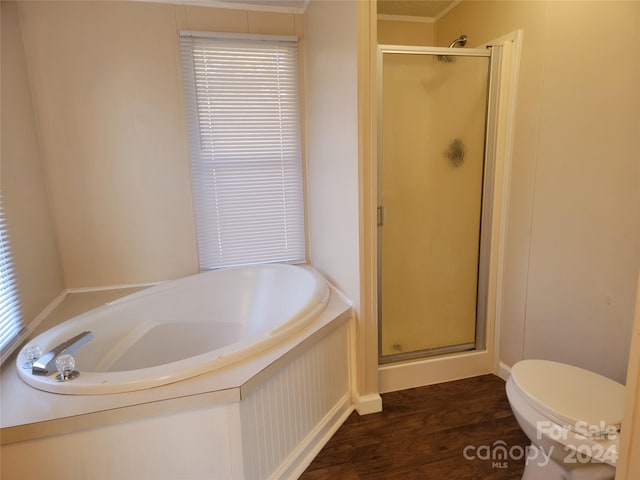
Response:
column 46, row 364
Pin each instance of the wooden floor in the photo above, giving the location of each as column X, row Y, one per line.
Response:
column 422, row 434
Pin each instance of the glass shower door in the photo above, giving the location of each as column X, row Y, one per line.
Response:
column 433, row 110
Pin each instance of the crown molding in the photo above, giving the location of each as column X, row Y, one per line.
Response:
column 406, row 18
column 237, row 5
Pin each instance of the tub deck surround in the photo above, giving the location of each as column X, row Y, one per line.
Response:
column 270, row 427
column 28, row 413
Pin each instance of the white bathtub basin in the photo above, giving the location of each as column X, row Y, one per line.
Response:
column 184, row 328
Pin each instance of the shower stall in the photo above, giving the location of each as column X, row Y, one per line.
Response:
column 436, row 121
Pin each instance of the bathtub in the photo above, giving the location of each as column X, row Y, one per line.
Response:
column 266, row 403
column 184, row 328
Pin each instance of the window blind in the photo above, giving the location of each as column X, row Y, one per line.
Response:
column 243, row 120
column 10, row 318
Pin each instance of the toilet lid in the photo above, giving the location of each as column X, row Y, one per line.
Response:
column 584, row 401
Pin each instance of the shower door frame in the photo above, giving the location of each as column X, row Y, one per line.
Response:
column 493, row 53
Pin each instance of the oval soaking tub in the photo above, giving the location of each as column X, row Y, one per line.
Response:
column 183, row 328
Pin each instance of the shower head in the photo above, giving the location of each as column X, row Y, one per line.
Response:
column 461, row 40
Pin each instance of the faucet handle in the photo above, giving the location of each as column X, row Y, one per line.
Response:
column 31, row 354
column 66, row 364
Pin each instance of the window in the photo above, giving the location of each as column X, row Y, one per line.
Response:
column 243, row 119
column 10, row 319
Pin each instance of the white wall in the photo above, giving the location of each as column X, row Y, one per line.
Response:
column 106, row 83
column 573, row 241
column 111, row 118
column 25, row 200
column 585, row 241
column 332, row 142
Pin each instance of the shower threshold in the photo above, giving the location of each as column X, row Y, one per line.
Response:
column 429, row 352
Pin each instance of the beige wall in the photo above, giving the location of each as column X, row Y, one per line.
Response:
column 573, row 240
column 332, row 142
column 391, row 32
column 106, row 80
column 34, row 248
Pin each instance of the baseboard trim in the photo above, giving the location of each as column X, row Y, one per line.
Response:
column 429, row 371
column 504, row 371
column 298, row 460
column 367, row 404
column 111, row 287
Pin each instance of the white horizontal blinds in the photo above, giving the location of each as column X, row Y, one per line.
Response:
column 10, row 318
column 242, row 102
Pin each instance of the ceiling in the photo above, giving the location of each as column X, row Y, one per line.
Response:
column 296, row 4
column 290, row 6
column 414, row 8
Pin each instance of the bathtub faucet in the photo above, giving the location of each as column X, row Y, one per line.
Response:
column 46, row 364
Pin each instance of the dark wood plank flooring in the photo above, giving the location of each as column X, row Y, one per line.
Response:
column 422, row 434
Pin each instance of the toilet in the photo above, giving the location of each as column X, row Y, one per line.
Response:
column 572, row 417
